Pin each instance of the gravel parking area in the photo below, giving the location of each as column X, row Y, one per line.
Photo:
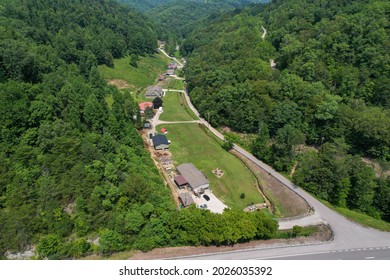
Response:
column 214, row 204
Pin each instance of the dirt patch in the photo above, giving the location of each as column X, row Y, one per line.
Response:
column 120, row 84
column 294, row 169
column 218, row 172
column 255, row 207
column 379, row 171
column 283, row 199
column 225, row 129
column 322, row 235
column 28, row 254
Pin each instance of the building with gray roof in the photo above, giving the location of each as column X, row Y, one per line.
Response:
column 170, row 72
column 186, row 199
column 160, row 142
column 154, row 91
column 197, row 181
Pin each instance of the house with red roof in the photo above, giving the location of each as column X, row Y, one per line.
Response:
column 144, row 105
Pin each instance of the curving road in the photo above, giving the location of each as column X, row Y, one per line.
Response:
column 179, row 64
column 347, row 234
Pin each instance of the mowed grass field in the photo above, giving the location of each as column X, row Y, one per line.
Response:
column 171, row 83
column 191, row 144
column 146, row 74
column 175, row 108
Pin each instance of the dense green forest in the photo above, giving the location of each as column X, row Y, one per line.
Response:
column 325, row 105
column 176, row 19
column 75, row 178
column 145, row 5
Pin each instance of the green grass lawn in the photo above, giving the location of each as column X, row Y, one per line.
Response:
column 173, row 84
column 173, row 109
column 191, row 144
column 146, row 74
column 359, row 217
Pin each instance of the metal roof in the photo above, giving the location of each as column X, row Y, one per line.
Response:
column 180, row 180
column 193, row 176
column 154, row 90
column 160, row 139
column 186, row 198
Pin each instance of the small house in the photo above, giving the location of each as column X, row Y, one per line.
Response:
column 172, row 65
column 186, row 199
column 144, row 105
column 154, row 91
column 160, row 142
column 170, row 72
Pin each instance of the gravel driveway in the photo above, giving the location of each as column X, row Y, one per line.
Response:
column 214, row 204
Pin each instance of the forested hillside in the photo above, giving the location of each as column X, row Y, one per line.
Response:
column 176, row 19
column 75, row 178
column 145, row 5
column 324, row 106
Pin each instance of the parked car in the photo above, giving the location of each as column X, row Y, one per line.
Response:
column 202, row 206
column 206, row 197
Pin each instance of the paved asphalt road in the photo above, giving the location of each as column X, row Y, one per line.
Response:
column 347, row 234
column 382, row 253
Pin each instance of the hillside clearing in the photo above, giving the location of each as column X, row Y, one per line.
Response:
column 175, row 108
column 146, row 74
column 190, row 143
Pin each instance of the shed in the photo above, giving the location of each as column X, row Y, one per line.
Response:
column 197, row 181
column 170, row 72
column 186, row 199
column 160, row 142
column 180, row 181
column 163, row 130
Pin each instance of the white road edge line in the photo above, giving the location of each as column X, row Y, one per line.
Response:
column 294, row 255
